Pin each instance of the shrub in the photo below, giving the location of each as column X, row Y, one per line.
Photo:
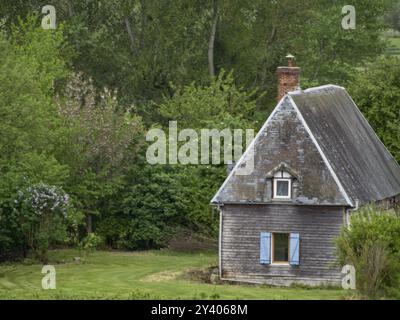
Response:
column 113, row 230
column 41, row 211
column 372, row 245
column 90, row 243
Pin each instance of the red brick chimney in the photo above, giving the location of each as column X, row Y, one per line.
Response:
column 288, row 78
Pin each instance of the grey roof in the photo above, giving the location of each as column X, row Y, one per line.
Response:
column 320, row 134
column 366, row 169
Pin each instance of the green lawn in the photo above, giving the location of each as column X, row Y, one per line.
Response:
column 394, row 46
column 136, row 275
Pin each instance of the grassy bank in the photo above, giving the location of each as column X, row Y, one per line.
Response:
column 137, row 275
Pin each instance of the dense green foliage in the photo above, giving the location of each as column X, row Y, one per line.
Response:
column 160, row 199
column 393, row 16
column 377, row 92
column 372, row 246
column 76, row 102
column 141, row 47
column 30, row 127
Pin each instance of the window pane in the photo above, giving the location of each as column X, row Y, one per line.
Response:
column 281, row 247
column 282, row 188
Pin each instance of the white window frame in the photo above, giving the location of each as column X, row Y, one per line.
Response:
column 289, row 180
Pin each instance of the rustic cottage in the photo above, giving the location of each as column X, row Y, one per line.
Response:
column 316, row 160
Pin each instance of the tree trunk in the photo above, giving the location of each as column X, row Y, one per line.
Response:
column 144, row 22
column 131, row 34
column 70, row 9
column 211, row 67
column 89, row 224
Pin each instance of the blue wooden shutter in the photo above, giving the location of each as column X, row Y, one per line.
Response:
column 265, row 248
column 294, row 249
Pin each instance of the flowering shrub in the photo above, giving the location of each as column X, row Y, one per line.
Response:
column 43, row 198
column 42, row 210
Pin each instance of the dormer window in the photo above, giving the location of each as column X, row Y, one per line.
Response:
column 282, row 185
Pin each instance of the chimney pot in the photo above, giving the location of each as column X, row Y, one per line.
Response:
column 288, row 78
column 290, row 60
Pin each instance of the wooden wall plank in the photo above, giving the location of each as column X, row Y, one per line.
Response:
column 240, row 243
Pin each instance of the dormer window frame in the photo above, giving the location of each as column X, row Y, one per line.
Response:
column 282, row 176
column 282, row 172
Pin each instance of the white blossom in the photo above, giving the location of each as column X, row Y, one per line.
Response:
column 43, row 197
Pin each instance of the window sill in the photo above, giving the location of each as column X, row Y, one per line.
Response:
column 280, row 264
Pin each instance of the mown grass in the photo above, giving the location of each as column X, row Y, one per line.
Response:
column 394, row 47
column 136, row 275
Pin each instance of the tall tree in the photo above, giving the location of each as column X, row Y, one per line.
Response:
column 103, row 140
column 214, row 22
column 32, row 135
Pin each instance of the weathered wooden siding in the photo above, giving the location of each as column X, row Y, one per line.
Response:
column 390, row 203
column 318, row 226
